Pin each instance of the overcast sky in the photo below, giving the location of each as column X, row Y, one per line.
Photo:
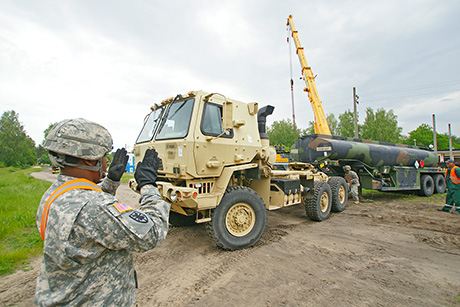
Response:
column 109, row 61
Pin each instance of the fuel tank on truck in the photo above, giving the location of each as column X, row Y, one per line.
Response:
column 318, row 147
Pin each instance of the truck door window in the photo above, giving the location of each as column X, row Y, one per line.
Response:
column 211, row 123
column 176, row 121
column 150, row 125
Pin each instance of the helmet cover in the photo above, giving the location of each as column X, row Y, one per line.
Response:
column 79, row 138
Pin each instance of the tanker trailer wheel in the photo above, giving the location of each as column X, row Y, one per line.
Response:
column 319, row 206
column 339, row 192
column 426, row 185
column 239, row 220
column 439, row 183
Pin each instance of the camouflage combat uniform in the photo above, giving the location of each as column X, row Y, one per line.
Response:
column 89, row 240
column 352, row 177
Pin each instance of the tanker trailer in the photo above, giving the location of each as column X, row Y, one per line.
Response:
column 380, row 166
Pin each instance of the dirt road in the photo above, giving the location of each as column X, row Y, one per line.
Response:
column 390, row 252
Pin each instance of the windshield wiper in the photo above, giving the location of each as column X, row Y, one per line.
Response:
column 167, row 112
column 178, row 109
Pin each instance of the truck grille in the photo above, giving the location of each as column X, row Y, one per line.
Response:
column 202, row 187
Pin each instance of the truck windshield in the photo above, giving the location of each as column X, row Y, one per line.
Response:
column 150, row 125
column 176, row 121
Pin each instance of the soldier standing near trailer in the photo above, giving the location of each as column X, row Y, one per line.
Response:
column 89, row 236
column 353, row 182
column 453, row 188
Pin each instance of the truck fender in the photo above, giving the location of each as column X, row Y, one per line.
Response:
column 224, row 178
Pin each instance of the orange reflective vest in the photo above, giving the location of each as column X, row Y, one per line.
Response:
column 71, row 185
column 453, row 176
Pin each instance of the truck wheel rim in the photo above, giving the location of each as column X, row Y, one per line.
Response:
column 240, row 219
column 324, row 202
column 342, row 194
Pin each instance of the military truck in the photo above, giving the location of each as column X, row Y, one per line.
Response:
column 380, row 166
column 217, row 168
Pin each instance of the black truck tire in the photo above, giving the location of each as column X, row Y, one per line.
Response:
column 318, row 207
column 439, row 183
column 426, row 185
column 239, row 220
column 339, row 192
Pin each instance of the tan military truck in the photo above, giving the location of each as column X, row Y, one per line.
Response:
column 217, row 168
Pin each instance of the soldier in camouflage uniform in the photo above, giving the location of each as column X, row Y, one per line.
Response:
column 90, row 236
column 453, row 188
column 353, row 182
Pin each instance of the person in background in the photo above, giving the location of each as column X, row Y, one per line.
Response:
column 353, row 182
column 90, row 236
column 453, row 188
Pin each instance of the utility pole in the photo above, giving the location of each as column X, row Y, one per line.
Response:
column 355, row 102
column 435, row 139
column 450, row 144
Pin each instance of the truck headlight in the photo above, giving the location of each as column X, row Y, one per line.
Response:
column 172, row 195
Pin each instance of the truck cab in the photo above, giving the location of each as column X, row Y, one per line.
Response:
column 216, row 167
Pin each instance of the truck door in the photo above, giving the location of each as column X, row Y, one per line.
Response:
column 214, row 147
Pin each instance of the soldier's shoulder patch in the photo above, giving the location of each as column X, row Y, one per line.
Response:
column 122, row 207
column 139, row 217
column 132, row 219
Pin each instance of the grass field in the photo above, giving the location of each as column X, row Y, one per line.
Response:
column 370, row 195
column 20, row 195
column 126, row 177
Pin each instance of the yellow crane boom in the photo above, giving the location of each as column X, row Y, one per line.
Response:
column 321, row 125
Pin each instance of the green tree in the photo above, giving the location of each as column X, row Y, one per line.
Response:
column 331, row 120
column 16, row 147
column 423, row 136
column 282, row 132
column 42, row 153
column 381, row 126
column 346, row 125
column 311, row 127
column 443, row 141
column 333, row 123
column 456, row 140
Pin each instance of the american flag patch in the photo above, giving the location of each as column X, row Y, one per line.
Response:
column 122, row 207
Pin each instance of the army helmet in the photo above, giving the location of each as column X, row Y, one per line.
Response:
column 347, row 168
column 79, row 138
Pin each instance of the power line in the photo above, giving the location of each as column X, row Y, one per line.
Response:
column 364, row 95
column 414, row 88
column 406, row 96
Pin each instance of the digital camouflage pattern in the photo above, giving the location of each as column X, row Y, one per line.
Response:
column 89, row 240
column 353, row 180
column 79, row 138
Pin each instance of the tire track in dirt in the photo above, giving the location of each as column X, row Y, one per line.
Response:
column 190, row 245
column 436, row 232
